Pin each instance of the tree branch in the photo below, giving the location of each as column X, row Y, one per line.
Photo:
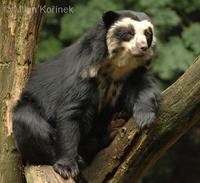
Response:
column 41, row 174
column 133, row 152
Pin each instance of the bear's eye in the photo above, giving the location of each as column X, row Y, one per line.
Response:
column 123, row 34
column 149, row 35
column 148, row 32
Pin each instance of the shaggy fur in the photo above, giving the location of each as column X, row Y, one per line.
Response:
column 64, row 110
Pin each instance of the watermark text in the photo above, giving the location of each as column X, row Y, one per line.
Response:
column 42, row 9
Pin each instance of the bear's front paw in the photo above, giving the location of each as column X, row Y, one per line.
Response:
column 144, row 119
column 66, row 168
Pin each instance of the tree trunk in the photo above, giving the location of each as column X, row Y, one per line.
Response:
column 133, row 152
column 19, row 25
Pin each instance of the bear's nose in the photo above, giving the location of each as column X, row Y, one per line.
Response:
column 144, row 48
column 141, row 44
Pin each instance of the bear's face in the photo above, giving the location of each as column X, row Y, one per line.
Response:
column 130, row 44
column 129, row 40
column 133, row 37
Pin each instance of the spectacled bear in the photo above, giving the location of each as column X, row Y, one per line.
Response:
column 63, row 113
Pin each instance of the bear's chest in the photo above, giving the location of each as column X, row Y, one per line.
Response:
column 109, row 89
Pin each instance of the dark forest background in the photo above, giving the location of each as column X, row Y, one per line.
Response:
column 177, row 25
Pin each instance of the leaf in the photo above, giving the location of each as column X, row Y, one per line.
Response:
column 48, row 48
column 166, row 18
column 84, row 17
column 154, row 3
column 172, row 59
column 187, row 5
column 191, row 38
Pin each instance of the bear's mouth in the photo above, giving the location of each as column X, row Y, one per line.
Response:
column 137, row 53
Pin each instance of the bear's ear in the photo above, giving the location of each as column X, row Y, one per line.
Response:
column 109, row 18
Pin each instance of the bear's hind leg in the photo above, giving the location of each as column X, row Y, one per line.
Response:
column 33, row 135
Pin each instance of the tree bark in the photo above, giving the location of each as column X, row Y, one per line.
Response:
column 41, row 174
column 19, row 25
column 133, row 152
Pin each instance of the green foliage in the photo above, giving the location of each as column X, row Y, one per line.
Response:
column 187, row 5
column 166, row 18
column 191, row 38
column 173, row 58
column 48, row 48
column 154, row 4
column 85, row 16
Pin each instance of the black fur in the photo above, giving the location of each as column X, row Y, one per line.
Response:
column 124, row 33
column 141, row 97
column 108, row 18
column 149, row 36
column 57, row 121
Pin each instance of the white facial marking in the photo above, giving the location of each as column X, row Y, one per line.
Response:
column 138, row 39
